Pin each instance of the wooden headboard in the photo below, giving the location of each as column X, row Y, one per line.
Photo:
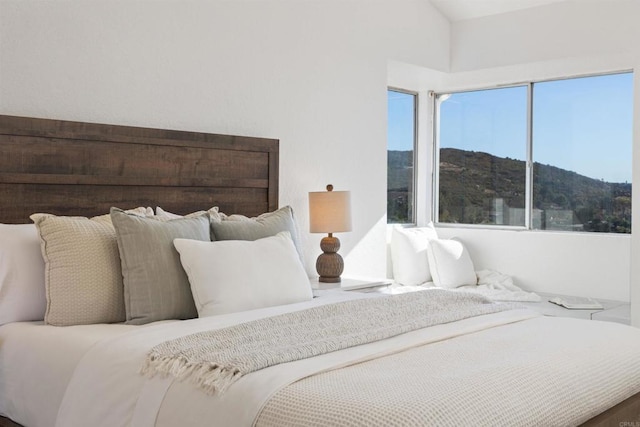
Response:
column 73, row 168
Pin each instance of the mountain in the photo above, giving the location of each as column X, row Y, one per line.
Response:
column 399, row 186
column 479, row 188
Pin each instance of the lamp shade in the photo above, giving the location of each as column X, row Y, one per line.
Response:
column 329, row 211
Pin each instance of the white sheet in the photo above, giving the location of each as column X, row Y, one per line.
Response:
column 37, row 362
column 111, row 368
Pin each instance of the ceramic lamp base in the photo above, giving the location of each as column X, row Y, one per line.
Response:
column 329, row 264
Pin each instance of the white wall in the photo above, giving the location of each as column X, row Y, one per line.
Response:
column 553, row 41
column 569, row 29
column 553, row 262
column 312, row 74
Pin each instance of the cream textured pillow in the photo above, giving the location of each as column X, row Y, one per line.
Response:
column 22, row 288
column 83, row 279
column 238, row 227
column 451, row 264
column 233, row 275
column 409, row 254
column 155, row 285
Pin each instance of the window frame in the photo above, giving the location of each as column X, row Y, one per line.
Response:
column 414, row 180
column 529, row 182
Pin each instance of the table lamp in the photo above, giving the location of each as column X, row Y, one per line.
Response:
column 329, row 212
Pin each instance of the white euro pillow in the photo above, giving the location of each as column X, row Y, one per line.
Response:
column 22, row 288
column 450, row 264
column 409, row 254
column 237, row 275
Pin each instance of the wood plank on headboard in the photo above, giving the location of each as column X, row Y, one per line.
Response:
column 74, row 168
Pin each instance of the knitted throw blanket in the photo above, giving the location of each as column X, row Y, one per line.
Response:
column 213, row 360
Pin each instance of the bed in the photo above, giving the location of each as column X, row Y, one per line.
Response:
column 480, row 363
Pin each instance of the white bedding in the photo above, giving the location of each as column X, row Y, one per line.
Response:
column 241, row 404
column 109, row 357
column 127, row 398
column 491, row 284
column 536, row 372
column 36, row 365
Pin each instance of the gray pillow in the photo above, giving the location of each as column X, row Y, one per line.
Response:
column 237, row 227
column 155, row 285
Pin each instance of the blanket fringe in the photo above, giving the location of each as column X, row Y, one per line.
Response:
column 210, row 377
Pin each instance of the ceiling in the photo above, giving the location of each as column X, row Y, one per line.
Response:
column 458, row 10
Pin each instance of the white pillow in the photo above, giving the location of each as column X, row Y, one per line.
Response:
column 22, row 290
column 450, row 264
column 236, row 275
column 409, row 254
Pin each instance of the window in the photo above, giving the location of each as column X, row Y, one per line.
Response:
column 582, row 146
column 483, row 142
column 401, row 138
column 576, row 134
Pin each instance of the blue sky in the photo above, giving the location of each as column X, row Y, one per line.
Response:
column 400, row 121
column 583, row 125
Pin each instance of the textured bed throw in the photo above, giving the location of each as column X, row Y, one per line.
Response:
column 213, row 360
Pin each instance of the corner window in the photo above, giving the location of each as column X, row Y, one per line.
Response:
column 576, row 136
column 482, row 157
column 401, row 139
column 582, row 143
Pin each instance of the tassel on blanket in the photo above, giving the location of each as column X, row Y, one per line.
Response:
column 210, row 377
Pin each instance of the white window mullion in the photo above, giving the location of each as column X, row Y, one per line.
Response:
column 436, row 159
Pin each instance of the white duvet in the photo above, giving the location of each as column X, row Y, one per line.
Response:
column 106, row 389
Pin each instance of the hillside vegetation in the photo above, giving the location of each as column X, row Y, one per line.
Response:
column 478, row 188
